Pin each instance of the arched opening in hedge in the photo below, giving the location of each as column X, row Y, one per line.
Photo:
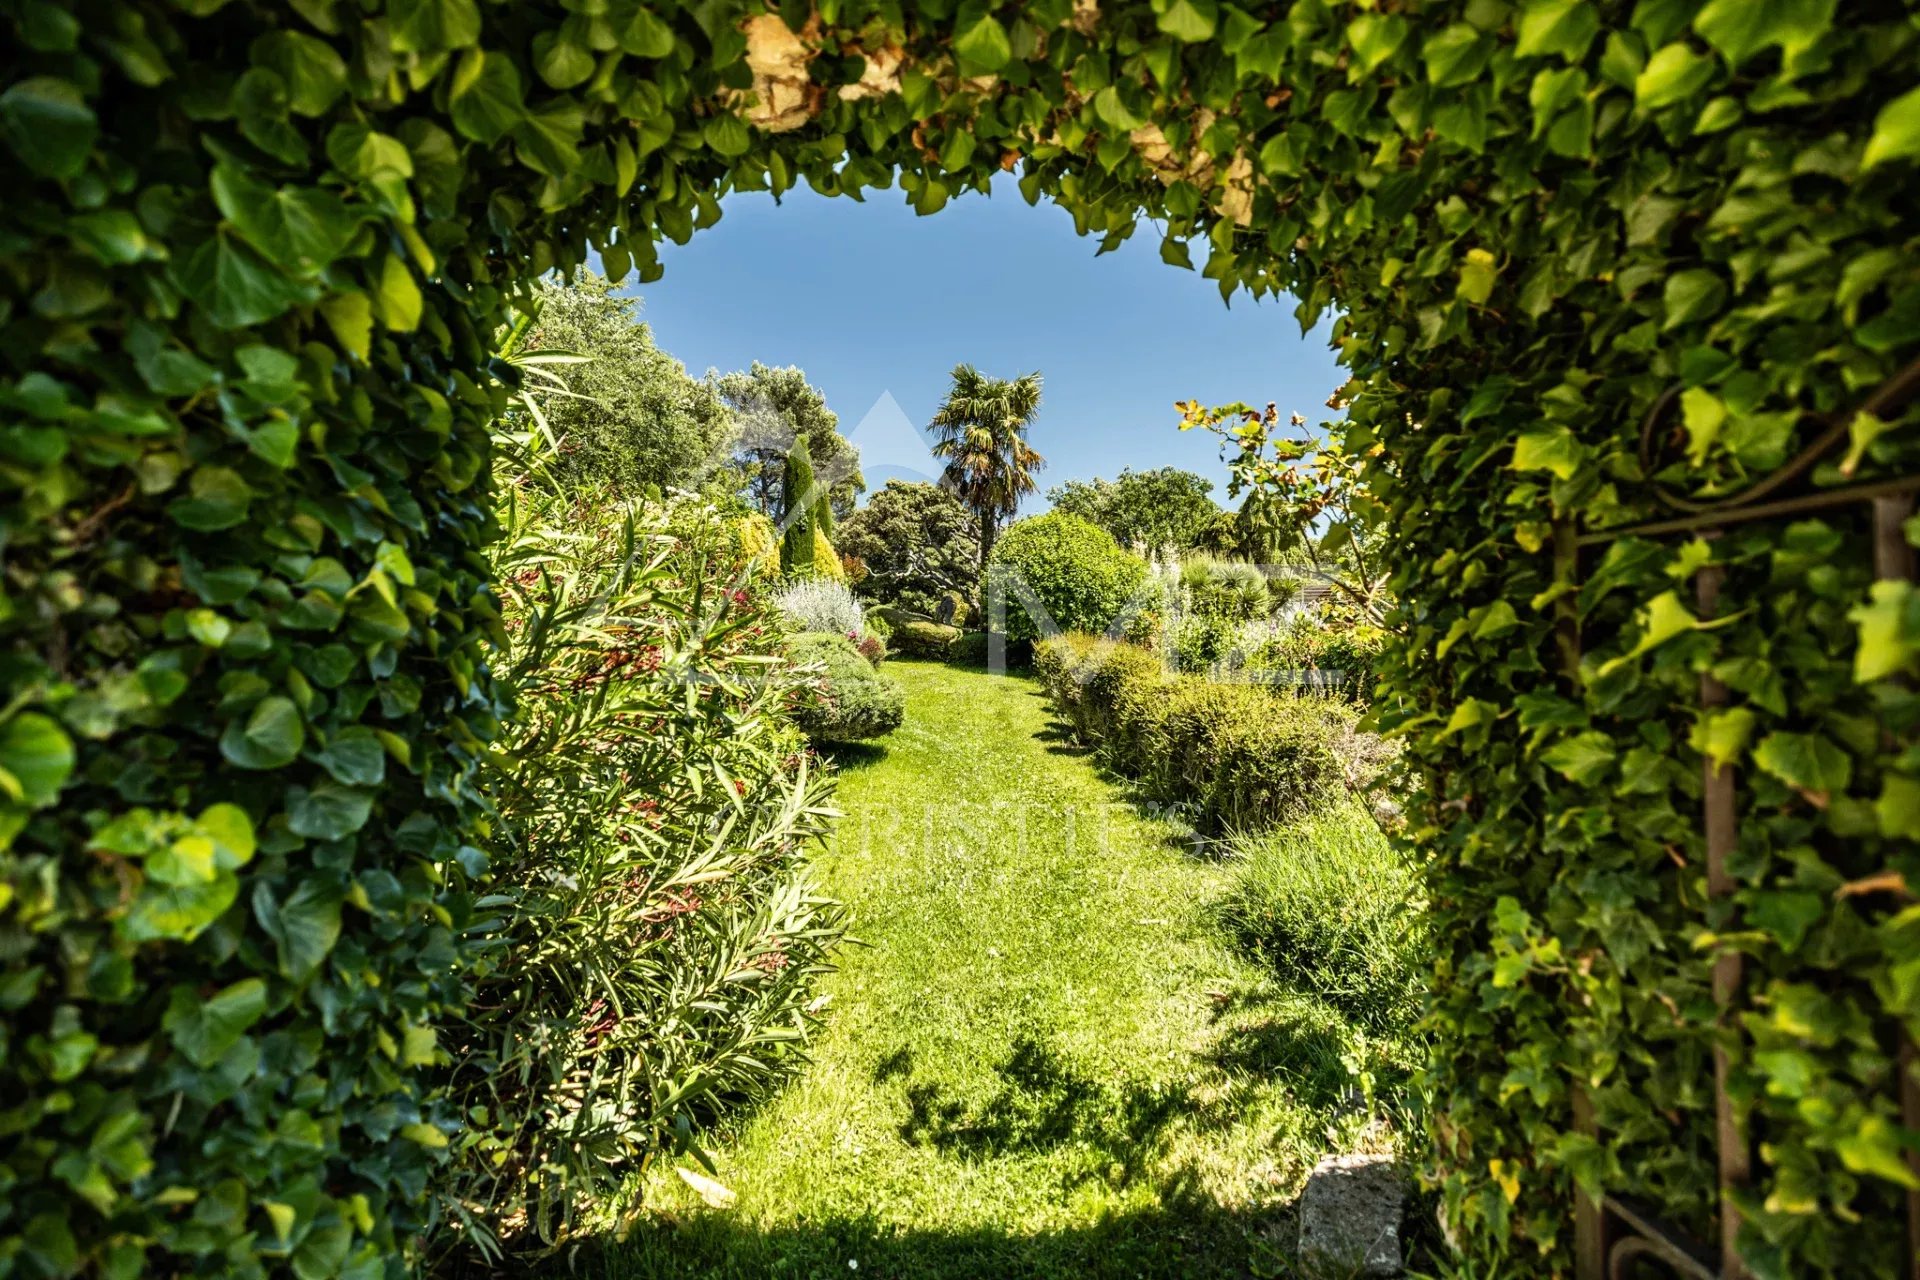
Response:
column 255, row 258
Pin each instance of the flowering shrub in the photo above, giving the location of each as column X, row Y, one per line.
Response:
column 654, row 937
column 821, row 604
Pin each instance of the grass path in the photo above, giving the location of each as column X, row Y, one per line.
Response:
column 1044, row 1062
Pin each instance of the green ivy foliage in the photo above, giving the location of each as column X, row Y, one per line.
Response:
column 254, row 258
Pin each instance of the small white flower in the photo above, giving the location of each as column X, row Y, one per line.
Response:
column 852, row 1265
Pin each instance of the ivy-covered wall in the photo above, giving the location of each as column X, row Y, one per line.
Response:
column 252, row 259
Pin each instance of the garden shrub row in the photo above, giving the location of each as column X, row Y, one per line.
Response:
column 1237, row 757
column 653, row 938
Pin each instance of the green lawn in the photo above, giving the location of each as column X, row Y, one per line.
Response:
column 1044, row 1061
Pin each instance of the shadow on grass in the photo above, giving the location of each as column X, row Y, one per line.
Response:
column 1186, row 1235
column 1042, row 1103
column 852, row 756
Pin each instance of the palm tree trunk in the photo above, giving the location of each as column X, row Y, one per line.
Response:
column 988, row 526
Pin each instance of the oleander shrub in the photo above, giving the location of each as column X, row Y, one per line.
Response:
column 842, row 699
column 923, row 639
column 653, row 938
column 820, row 604
column 1332, row 906
column 1058, row 571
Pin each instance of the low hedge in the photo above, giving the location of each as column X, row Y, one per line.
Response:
column 969, row 649
column 1238, row 756
column 851, row 700
column 924, row 639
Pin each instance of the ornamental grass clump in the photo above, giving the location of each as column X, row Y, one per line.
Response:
column 1333, row 907
column 653, row 938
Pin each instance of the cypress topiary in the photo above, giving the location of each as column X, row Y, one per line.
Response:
column 796, row 547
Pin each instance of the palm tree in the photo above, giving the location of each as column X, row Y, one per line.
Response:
column 981, row 431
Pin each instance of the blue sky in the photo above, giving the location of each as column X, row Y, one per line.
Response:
column 874, row 302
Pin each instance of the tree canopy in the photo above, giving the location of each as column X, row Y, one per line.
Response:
column 773, row 407
column 918, row 540
column 634, row 417
column 1166, row 507
column 980, row 429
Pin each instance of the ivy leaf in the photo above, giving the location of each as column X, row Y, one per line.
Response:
column 48, row 125
column 203, row 1029
column 485, row 98
column 329, row 811
column 350, row 316
column 560, row 62
column 1806, row 761
column 1563, row 27
column 1889, row 631
column 177, row 911
column 548, row 140
column 1456, row 55
column 727, row 134
column 1875, row 1148
column 1896, row 131
column 1672, row 75
column 982, row 43
column 217, row 498
column 1477, row 276
column 238, row 288
column 397, row 298
column 306, row 227
column 1693, row 295
column 1583, row 757
column 1721, row 736
column 642, row 34
column 433, row 26
column 1556, row 450
column 269, row 738
column 355, row 757
column 36, row 759
column 1375, row 36
column 304, row 928
column 1738, row 29
column 314, row 72
column 1174, row 253
column 1190, row 21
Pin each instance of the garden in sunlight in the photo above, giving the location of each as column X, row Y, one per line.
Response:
column 479, row 796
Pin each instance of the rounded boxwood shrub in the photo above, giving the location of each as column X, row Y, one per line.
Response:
column 851, row 700
column 1070, row 568
column 924, row 639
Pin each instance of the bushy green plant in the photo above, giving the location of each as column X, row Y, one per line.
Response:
column 1334, row 907
column 654, row 937
column 1075, row 575
column 843, row 699
column 1236, row 756
column 969, row 649
column 877, row 624
column 820, row 604
column 923, row 639
column 918, row 540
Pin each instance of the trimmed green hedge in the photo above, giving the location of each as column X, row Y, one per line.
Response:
column 923, row 639
column 1237, row 757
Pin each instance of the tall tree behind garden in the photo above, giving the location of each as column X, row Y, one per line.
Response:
column 643, row 421
column 980, row 430
column 799, row 506
column 918, row 541
column 773, row 407
column 1163, row 508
